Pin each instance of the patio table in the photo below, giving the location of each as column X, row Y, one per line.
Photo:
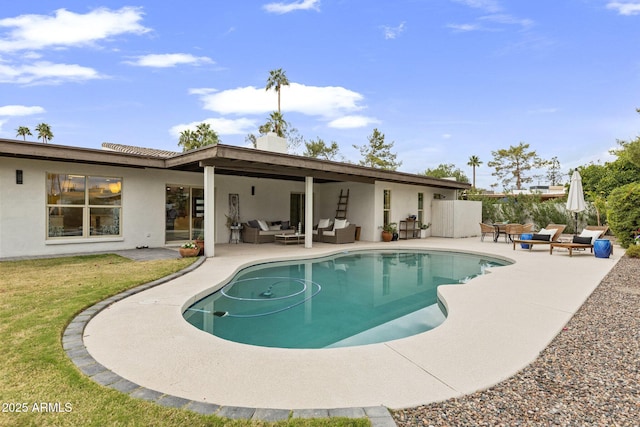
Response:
column 286, row 239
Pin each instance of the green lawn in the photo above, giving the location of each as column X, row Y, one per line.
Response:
column 38, row 298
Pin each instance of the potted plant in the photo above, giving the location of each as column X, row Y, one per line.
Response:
column 423, row 230
column 189, row 249
column 388, row 230
column 200, row 243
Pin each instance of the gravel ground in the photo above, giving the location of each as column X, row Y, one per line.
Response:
column 588, row 376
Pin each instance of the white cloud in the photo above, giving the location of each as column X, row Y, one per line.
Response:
column 328, row 102
column 350, row 122
column 446, row 136
column 20, row 110
column 35, row 32
column 625, row 8
column 221, row 125
column 488, row 5
column 282, row 8
column 167, row 60
column 465, row 27
column 44, row 72
column 393, row 32
column 508, row 20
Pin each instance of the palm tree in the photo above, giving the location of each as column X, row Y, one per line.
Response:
column 44, row 132
column 277, row 79
column 474, row 161
column 23, row 131
column 276, row 123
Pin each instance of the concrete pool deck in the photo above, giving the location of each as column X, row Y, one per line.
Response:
column 497, row 324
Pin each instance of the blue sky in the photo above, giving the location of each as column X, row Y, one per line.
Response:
column 442, row 79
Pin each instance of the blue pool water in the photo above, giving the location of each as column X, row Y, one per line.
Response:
column 341, row 300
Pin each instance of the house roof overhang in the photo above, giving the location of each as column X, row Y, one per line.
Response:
column 227, row 160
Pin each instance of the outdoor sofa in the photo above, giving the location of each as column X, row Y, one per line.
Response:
column 261, row 231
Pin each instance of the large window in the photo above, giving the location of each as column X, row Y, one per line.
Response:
column 83, row 206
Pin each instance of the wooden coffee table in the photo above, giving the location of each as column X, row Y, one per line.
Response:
column 287, row 239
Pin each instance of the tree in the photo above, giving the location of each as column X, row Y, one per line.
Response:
column 44, row 132
column 201, row 137
column 446, row 171
column 514, row 163
column 377, row 154
column 277, row 79
column 623, row 213
column 474, row 162
column 318, row 149
column 275, row 123
column 23, row 131
column 553, row 171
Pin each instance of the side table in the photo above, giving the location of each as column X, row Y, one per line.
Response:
column 234, row 235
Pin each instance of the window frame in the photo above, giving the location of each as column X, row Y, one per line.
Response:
column 85, row 206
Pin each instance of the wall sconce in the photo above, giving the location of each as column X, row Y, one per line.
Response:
column 18, row 176
column 253, row 190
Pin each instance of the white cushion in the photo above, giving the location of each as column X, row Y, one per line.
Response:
column 329, row 233
column 324, row 223
column 314, row 232
column 551, row 232
column 275, row 227
column 263, row 225
column 339, row 223
column 594, row 234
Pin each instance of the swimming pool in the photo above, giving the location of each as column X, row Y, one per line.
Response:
column 346, row 299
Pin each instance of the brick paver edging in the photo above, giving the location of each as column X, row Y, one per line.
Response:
column 73, row 345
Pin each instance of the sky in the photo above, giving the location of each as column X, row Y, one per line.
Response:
column 441, row 79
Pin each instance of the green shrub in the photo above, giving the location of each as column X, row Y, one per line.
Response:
column 633, row 251
column 623, row 212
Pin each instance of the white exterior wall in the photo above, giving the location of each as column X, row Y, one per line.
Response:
column 270, row 201
column 404, row 202
column 23, row 212
column 359, row 209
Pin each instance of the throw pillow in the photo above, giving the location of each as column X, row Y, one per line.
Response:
column 253, row 224
column 284, row 225
column 593, row 234
column 324, row 223
column 263, row 225
column 543, row 237
column 583, row 240
column 339, row 223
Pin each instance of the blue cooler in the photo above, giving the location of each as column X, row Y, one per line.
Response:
column 602, row 248
column 525, row 237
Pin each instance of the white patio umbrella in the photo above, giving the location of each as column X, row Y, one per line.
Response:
column 575, row 202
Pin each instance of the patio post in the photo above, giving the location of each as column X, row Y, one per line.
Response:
column 209, row 211
column 308, row 211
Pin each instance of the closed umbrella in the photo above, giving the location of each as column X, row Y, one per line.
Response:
column 575, row 202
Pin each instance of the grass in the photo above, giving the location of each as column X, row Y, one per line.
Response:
column 38, row 298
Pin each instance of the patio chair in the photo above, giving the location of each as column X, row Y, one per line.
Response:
column 582, row 242
column 318, row 229
column 486, row 229
column 339, row 235
column 513, row 231
column 537, row 239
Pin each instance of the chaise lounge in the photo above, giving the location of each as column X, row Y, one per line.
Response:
column 550, row 234
column 582, row 242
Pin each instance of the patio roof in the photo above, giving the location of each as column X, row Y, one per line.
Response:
column 227, row 160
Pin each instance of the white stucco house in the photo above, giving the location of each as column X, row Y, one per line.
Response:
column 57, row 199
